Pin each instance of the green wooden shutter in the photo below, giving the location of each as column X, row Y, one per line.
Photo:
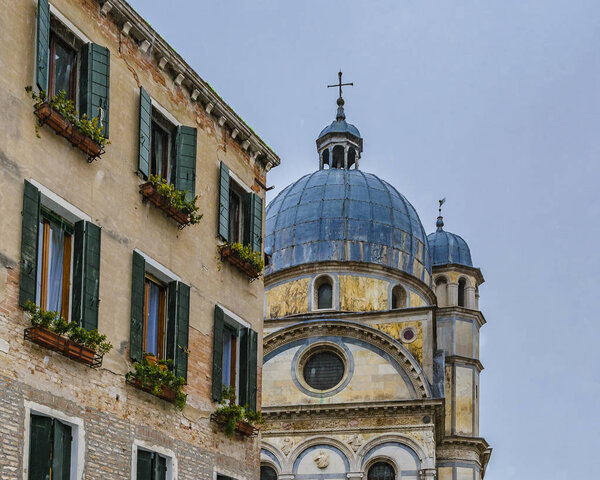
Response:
column 252, row 368
column 29, row 243
column 94, row 83
column 171, row 321
column 61, row 451
column 137, row 307
column 144, row 465
column 224, row 202
column 43, row 44
column 243, row 371
column 145, row 132
column 253, row 221
column 183, row 321
column 160, row 472
column 217, row 375
column 86, row 275
column 185, row 163
column 40, row 442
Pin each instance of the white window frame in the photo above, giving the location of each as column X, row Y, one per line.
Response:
column 151, row 447
column 77, row 443
column 227, row 473
column 315, row 293
column 158, row 270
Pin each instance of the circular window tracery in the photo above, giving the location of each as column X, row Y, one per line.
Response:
column 323, row 370
column 408, row 335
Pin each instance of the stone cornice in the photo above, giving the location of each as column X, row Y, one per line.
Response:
column 477, row 443
column 465, row 361
column 354, row 268
column 476, row 272
column 339, row 328
column 463, row 312
column 132, row 24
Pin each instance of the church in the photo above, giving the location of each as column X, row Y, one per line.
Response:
column 371, row 335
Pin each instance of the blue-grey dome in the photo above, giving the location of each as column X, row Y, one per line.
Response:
column 347, row 215
column 448, row 247
column 340, row 126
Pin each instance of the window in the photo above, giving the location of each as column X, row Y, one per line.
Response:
column 162, row 146
column 338, row 157
column 441, row 291
column 230, row 348
column 323, row 370
column 267, row 473
column 49, row 449
column 160, row 308
column 62, row 68
column 54, row 263
column 151, row 465
column 240, row 212
column 60, row 257
column 155, row 298
column 461, row 292
column 234, row 358
column 324, row 293
column 399, row 297
column 381, row 471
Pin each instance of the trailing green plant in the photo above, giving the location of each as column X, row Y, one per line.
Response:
column 230, row 413
column 156, row 376
column 66, row 107
column 247, row 254
column 177, row 198
column 55, row 323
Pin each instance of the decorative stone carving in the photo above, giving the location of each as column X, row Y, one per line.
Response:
column 287, row 445
column 355, row 441
column 321, row 459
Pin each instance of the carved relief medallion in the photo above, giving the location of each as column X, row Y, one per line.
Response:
column 321, row 459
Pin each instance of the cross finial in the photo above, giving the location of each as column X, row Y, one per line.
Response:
column 440, row 220
column 340, row 84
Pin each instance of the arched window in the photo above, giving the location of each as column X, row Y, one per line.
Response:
column 461, row 292
column 441, row 291
column 267, row 473
column 351, row 157
column 381, row 471
column 325, row 157
column 338, row 157
column 324, row 292
column 399, row 297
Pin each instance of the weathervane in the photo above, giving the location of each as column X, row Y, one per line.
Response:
column 340, row 84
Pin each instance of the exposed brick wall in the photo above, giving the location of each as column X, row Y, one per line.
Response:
column 11, row 429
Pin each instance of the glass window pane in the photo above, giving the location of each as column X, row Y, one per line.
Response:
column 38, row 286
column 323, row 370
column 152, row 325
column 64, row 62
column 325, row 298
column 381, row 471
column 228, row 340
column 55, row 268
column 267, row 473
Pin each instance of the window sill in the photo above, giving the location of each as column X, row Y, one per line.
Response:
column 63, row 345
column 48, row 116
column 150, row 193
column 167, row 393
column 228, row 254
column 243, row 428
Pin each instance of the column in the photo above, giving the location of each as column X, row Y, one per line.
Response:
column 452, row 294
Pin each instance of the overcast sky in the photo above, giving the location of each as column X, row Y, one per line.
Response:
column 493, row 104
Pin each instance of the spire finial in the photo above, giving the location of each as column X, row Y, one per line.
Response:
column 340, row 101
column 440, row 220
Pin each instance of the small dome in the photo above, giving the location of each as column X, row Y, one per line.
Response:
column 448, row 247
column 345, row 215
column 340, row 126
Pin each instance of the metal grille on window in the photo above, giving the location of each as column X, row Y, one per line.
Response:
column 267, row 473
column 323, row 370
column 381, row 471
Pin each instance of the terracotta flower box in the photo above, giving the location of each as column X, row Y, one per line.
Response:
column 150, row 193
column 58, row 123
column 65, row 346
column 167, row 394
column 231, row 256
column 243, row 428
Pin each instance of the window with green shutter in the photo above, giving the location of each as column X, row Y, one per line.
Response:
column 151, row 465
column 50, row 444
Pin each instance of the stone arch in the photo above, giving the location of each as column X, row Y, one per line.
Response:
column 318, row 282
column 363, row 457
column 441, row 290
column 399, row 296
column 380, row 458
column 269, row 454
column 315, row 441
column 344, row 328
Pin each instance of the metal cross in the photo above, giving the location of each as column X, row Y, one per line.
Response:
column 340, row 84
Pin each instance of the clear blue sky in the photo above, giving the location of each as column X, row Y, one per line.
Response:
column 494, row 104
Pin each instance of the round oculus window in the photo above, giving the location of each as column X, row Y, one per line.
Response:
column 408, row 335
column 323, row 370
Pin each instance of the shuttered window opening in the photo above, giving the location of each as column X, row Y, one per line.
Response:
column 60, row 262
column 49, row 448
column 240, row 213
column 159, row 317
column 151, row 466
column 166, row 150
column 234, row 359
column 64, row 63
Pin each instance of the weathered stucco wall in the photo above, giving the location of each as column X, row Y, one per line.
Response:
column 289, row 298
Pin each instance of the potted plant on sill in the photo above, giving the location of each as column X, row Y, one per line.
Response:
column 156, row 377
column 243, row 257
column 59, row 113
column 52, row 331
column 171, row 201
column 234, row 417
